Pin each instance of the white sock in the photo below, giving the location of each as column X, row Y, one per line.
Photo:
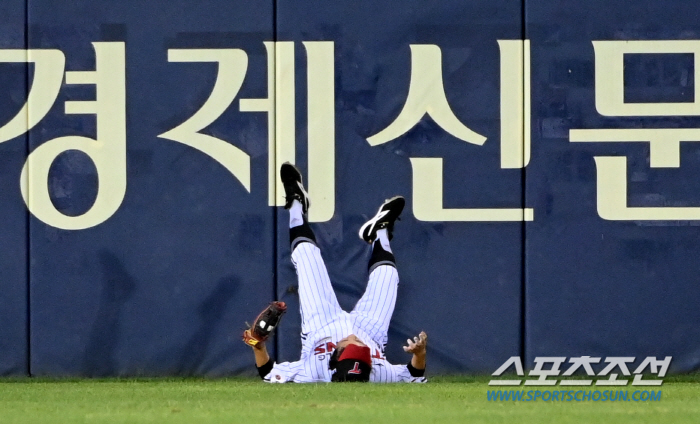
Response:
column 296, row 214
column 383, row 237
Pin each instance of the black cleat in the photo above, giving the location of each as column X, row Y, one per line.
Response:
column 387, row 214
column 293, row 187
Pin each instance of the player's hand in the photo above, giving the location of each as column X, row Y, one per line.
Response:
column 417, row 345
column 251, row 341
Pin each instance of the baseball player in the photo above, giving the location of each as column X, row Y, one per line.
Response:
column 337, row 345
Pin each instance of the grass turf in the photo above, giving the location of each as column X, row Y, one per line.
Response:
column 442, row 400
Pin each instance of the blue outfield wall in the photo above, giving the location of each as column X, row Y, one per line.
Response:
column 460, row 282
column 13, row 235
column 165, row 284
column 625, row 285
column 154, row 230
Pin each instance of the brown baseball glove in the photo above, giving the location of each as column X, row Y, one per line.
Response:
column 264, row 324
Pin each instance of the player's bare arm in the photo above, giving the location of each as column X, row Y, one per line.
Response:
column 263, row 326
column 261, row 355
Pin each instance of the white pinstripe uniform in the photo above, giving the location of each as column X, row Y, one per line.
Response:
column 324, row 323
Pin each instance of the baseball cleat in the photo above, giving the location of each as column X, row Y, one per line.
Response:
column 387, row 214
column 293, row 186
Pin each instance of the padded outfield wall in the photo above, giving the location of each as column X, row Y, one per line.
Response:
column 547, row 153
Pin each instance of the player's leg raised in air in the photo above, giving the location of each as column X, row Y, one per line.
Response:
column 317, row 299
column 374, row 310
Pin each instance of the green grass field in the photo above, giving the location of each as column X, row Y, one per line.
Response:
column 442, row 400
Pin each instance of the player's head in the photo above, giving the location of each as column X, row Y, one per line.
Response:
column 351, row 361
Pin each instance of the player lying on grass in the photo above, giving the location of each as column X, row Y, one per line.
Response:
column 337, row 345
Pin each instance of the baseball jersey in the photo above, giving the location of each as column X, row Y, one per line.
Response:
column 324, row 322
